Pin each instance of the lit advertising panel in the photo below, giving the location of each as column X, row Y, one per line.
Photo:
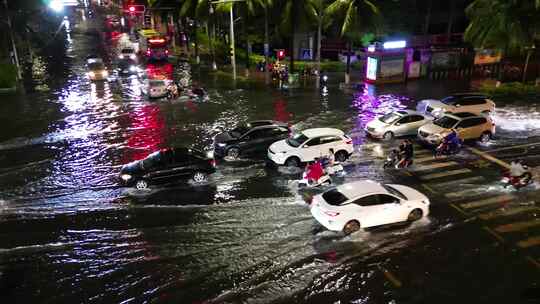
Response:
column 371, row 71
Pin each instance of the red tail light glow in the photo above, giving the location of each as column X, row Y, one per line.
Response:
column 148, row 52
column 213, row 162
column 167, row 52
column 331, row 213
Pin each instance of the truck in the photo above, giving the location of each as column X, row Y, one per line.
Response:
column 152, row 45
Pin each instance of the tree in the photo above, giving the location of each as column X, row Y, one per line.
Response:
column 509, row 25
column 294, row 16
column 358, row 17
column 317, row 11
column 198, row 10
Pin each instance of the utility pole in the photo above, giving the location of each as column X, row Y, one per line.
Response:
column 233, row 57
column 13, row 46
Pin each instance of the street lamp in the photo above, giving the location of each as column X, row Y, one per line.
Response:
column 56, row 5
column 233, row 59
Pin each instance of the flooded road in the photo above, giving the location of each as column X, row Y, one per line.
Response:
column 70, row 234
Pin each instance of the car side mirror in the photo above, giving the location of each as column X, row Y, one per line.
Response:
column 305, row 146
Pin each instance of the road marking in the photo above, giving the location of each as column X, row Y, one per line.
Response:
column 530, row 242
column 427, row 159
column 488, row 201
column 513, row 147
column 391, row 277
column 445, row 174
column 502, row 213
column 457, row 182
column 459, row 210
column 489, row 157
column 428, row 188
column 494, row 234
column 533, row 261
column 423, row 152
column 513, row 227
column 434, row 166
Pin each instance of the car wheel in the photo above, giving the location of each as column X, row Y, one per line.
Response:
column 141, row 184
column 415, row 215
column 341, row 156
column 292, row 162
column 485, row 137
column 233, row 153
column 388, row 136
column 351, row 227
column 199, row 177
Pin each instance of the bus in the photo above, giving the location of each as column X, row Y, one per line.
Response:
column 153, row 45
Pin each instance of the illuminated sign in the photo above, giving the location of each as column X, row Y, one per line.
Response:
column 395, row 44
column 371, row 49
column 371, row 71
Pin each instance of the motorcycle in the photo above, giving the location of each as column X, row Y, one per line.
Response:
column 446, row 148
column 393, row 159
column 305, row 182
column 517, row 182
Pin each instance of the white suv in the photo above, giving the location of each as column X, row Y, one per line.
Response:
column 465, row 102
column 310, row 144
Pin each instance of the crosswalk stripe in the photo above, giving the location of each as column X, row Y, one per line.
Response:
column 434, row 166
column 457, row 181
column 530, row 242
column 518, row 226
column 488, row 201
column 502, row 213
column 427, row 158
column 445, row 174
column 423, row 152
column 462, row 193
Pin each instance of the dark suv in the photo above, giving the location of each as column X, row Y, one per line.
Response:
column 167, row 166
column 249, row 139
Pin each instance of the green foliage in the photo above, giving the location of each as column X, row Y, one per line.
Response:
column 8, row 75
column 358, row 16
column 367, row 38
column 512, row 89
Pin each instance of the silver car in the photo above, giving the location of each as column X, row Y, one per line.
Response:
column 397, row 123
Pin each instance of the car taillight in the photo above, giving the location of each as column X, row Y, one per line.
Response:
column 331, row 213
column 213, row 162
column 348, row 141
column 148, row 52
column 166, row 51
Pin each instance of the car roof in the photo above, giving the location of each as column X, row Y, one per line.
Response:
column 184, row 150
column 461, row 115
column 360, row 188
column 256, row 124
column 315, row 132
column 405, row 112
column 468, row 94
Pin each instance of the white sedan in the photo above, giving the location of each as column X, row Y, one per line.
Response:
column 154, row 88
column 364, row 204
column 310, row 144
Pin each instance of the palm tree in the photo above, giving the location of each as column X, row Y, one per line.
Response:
column 358, row 16
column 198, row 10
column 317, row 10
column 508, row 25
column 293, row 16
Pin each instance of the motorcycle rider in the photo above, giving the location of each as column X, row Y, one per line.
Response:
column 314, row 171
column 450, row 142
column 406, row 154
column 172, row 89
column 520, row 171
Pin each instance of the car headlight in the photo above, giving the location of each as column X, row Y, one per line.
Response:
column 221, row 145
column 104, row 73
column 121, row 56
column 125, row 177
column 91, row 74
column 132, row 56
column 133, row 68
column 325, row 78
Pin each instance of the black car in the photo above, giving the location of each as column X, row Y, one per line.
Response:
column 168, row 166
column 127, row 67
column 249, row 139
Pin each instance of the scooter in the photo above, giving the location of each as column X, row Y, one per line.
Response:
column 445, row 148
column 304, row 182
column 517, row 182
column 331, row 169
column 393, row 160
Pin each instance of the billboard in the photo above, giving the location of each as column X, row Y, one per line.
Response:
column 371, row 71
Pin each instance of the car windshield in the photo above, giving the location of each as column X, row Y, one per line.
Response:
column 451, row 100
column 239, row 131
column 390, row 118
column 334, row 197
column 394, row 192
column 446, row 122
column 297, row 140
column 151, row 160
column 96, row 66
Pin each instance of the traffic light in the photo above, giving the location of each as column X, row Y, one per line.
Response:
column 281, row 54
column 135, row 9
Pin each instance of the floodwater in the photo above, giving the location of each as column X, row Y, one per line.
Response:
column 70, row 234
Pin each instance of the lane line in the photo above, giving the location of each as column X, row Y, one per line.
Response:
column 428, row 188
column 434, row 166
column 391, row 277
column 426, row 159
column 533, row 261
column 530, row 242
column 489, row 157
column 518, row 226
column 503, row 213
column 458, row 181
column 513, row 147
column 488, row 201
column 459, row 210
column 445, row 174
column 494, row 234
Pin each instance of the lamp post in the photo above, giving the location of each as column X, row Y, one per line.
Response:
column 233, row 57
column 13, row 46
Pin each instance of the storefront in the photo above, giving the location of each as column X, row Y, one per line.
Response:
column 386, row 62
